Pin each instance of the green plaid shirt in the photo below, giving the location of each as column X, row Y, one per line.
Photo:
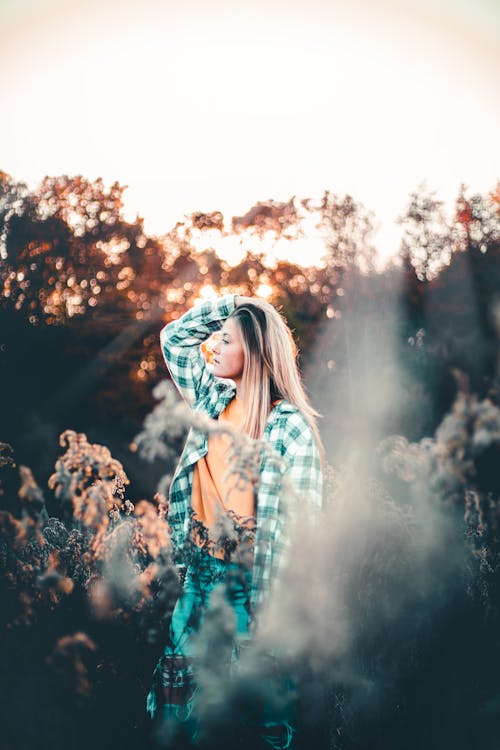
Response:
column 291, row 456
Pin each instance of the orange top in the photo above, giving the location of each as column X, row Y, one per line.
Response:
column 214, row 492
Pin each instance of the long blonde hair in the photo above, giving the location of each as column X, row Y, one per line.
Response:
column 270, row 370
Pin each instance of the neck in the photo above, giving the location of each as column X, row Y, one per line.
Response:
column 239, row 390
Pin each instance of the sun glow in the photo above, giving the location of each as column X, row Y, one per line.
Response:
column 207, row 292
column 264, row 290
column 232, row 247
column 227, row 130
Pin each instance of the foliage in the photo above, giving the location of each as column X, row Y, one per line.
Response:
column 344, row 621
column 409, row 551
column 459, row 466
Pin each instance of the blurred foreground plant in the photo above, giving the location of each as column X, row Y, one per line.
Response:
column 100, row 544
column 459, row 467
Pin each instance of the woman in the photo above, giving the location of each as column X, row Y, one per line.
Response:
column 253, row 387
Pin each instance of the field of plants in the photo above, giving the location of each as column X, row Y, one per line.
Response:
column 390, row 609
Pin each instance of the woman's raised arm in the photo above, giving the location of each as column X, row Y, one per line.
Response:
column 180, row 344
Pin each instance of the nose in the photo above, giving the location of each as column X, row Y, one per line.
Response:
column 215, row 349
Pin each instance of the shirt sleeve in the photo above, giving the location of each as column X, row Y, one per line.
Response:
column 180, row 344
column 301, row 454
column 291, row 477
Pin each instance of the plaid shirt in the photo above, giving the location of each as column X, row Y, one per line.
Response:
column 290, row 460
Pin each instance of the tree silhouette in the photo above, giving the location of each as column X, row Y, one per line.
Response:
column 427, row 238
column 347, row 226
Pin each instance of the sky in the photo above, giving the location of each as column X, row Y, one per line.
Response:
column 201, row 105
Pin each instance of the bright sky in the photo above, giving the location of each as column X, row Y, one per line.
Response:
column 214, row 105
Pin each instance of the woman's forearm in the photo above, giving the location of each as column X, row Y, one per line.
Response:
column 180, row 344
column 198, row 323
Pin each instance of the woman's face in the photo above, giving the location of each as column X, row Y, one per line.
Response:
column 228, row 356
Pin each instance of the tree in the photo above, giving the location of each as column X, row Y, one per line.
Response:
column 477, row 220
column 427, row 240
column 68, row 251
column 281, row 218
column 347, row 227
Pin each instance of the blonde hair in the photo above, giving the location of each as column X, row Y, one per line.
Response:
column 270, row 370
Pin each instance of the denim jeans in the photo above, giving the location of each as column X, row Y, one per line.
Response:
column 172, row 699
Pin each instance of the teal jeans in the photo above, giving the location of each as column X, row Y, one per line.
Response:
column 173, row 698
